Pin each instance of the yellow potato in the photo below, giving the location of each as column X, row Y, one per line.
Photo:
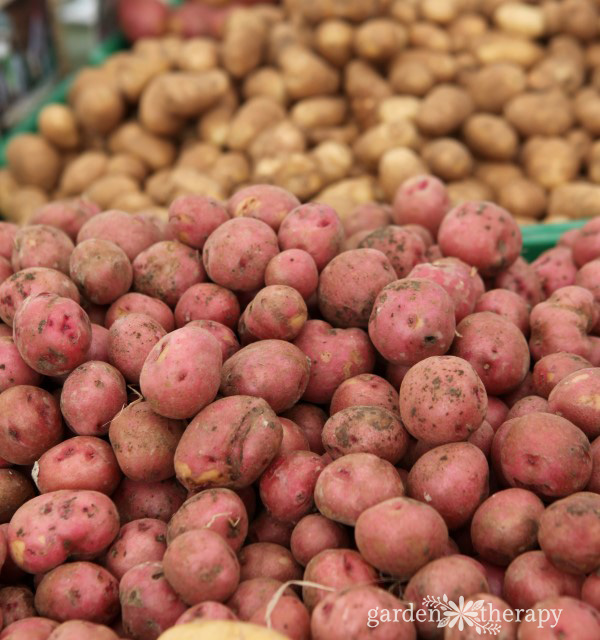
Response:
column 220, row 630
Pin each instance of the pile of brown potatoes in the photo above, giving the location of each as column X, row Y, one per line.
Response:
column 338, row 102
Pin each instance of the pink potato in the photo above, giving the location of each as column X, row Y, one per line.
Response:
column 587, row 277
column 274, row 370
column 52, row 334
column 569, row 533
column 99, row 347
column 495, row 348
column 276, row 312
column 16, row 603
column 131, row 338
column 91, row 397
column 561, row 617
column 311, row 419
column 364, row 390
column 268, row 560
column 182, row 372
column 13, row 369
column 551, row 369
column 526, row 405
column 236, row 254
column 403, row 248
column 442, row 399
column 149, row 604
column 521, row 278
column 78, row 591
column 412, row 319
column 555, row 268
column 567, row 239
column 33, row 628
column 483, row 437
column 30, row 424
column 252, row 594
column 586, row 246
column 530, row 578
column 200, row 565
column 268, row 203
column 590, row 591
column 139, row 303
column 436, row 474
column 208, row 610
column 496, row 412
column 594, row 482
column 506, row 525
column 421, row 200
column 193, row 218
column 139, row 541
column 481, row 234
column 220, row 510
column 349, row 285
column 366, row 430
column 75, row 629
column 289, row 617
column 101, row 269
column 265, row 528
column 15, row 489
column 223, row 335
column 494, row 613
column 577, row 398
column 294, row 438
column 133, row 234
column 287, row 485
column 293, row 268
column 82, row 462
column 40, row 245
column 400, row 535
column 335, row 355
column 8, row 231
column 6, row 269
column 208, row 301
column 546, row 454
column 315, row 228
column 228, row 444
column 340, row 489
column 166, row 270
column 366, row 217
column 144, row 442
column 508, row 304
column 50, row 528
column 137, row 500
column 68, row 215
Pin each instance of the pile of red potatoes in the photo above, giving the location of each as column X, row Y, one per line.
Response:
column 195, row 412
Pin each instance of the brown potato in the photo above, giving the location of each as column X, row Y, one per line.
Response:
column 491, row 137
column 33, row 161
column 523, row 198
column 550, row 161
column 448, row 158
column 57, row 123
column 443, row 110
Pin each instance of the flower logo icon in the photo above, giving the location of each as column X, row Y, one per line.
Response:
column 461, row 615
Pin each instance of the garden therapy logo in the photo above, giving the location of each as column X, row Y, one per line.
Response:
column 462, row 615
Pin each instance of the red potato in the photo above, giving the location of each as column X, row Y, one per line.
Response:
column 223, row 335
column 208, row 610
column 254, row 593
column 508, row 304
column 506, row 525
column 530, row 578
column 576, row 397
column 52, row 334
column 193, row 218
column 101, row 269
column 85, row 523
column 79, row 463
column 276, row 312
column 403, row 248
column 546, row 454
column 521, row 278
column 133, row 234
column 78, row 591
column 349, row 285
column 16, row 603
column 289, row 617
column 149, row 604
column 494, row 613
column 483, row 437
column 569, row 533
column 8, row 231
column 567, row 239
column 206, row 456
column 586, row 246
column 367, row 217
column 220, row 510
column 594, row 482
column 41, row 246
column 421, row 200
column 311, row 419
column 527, row 405
column 314, row 228
column 143, row 18
column 208, row 301
column 131, row 338
column 364, row 390
column 576, row 621
column 15, row 490
column 315, row 533
column 294, row 438
column 268, row 203
column 99, row 348
column 268, row 560
column 137, row 500
column 412, row 319
column 400, row 535
column 590, row 591
column 139, row 541
column 555, row 268
column 587, row 277
column 335, row 355
column 30, row 423
column 34, row 628
column 182, row 372
column 437, row 473
column 496, row 412
column 442, row 399
column 6, row 269
column 551, row 369
column 495, row 348
column 394, row 374
column 340, row 488
column 366, row 430
column 91, row 397
column 236, row 254
column 144, row 442
column 166, row 270
column 139, row 303
column 68, row 215
column 13, row 369
column 524, row 390
column 266, row 528
column 293, row 268
column 338, row 569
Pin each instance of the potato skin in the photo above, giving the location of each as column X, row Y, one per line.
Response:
column 16, row 603
column 208, row 301
column 403, row 248
column 13, row 369
column 521, row 278
column 159, row 500
column 41, row 246
column 33, row 628
column 268, row 560
column 15, row 489
column 421, row 200
column 265, row 202
column 555, row 268
column 293, row 268
column 579, row 619
column 574, row 398
column 315, row 533
column 508, row 304
column 366, row 389
column 224, row 336
column 134, row 302
column 193, row 218
column 252, row 594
